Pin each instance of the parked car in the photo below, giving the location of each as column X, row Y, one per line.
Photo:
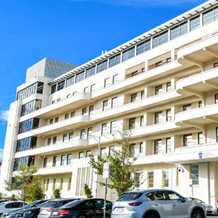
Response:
column 12, row 213
column 45, row 210
column 156, row 203
column 86, row 208
column 9, row 205
column 3, row 200
column 209, row 208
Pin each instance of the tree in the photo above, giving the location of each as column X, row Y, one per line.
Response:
column 13, row 198
column 123, row 176
column 36, row 192
column 88, row 191
column 57, row 193
column 25, row 183
column 1, row 195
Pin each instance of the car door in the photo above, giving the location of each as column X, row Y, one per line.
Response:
column 87, row 209
column 180, row 208
column 161, row 204
column 99, row 204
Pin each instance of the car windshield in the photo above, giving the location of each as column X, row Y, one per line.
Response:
column 197, row 200
column 129, row 196
column 50, row 204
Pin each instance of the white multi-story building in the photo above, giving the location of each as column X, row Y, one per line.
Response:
column 163, row 85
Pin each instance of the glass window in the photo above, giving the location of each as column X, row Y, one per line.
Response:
column 166, row 178
column 115, row 78
column 114, row 102
column 93, row 87
column 54, row 184
column 89, row 132
column 53, row 89
column 168, row 115
column 90, row 72
column 102, row 66
column 114, row 60
column 160, row 39
column 66, row 116
column 81, row 155
column 45, row 162
column 133, row 97
column 88, row 153
column 141, row 121
column 62, row 160
column 54, row 139
column 86, row 89
column 83, row 134
column 51, row 121
column 141, row 147
column 69, row 159
column 158, row 117
column 168, row 145
column 61, row 85
column 40, row 88
column 65, row 137
column 56, row 119
column 178, row 30
column 104, row 129
column 158, row 89
column 132, row 123
column 61, row 183
column 187, row 107
column 30, row 107
column 70, row 81
column 70, row 136
column 200, row 104
column 128, row 53
column 195, row 174
column 54, row 161
column 210, row 16
column 106, row 82
column 113, row 127
column 142, row 94
column 103, row 152
column 195, row 23
column 111, row 150
column 91, row 109
column 69, row 183
column 80, row 76
column 187, row 140
column 74, row 93
column 105, row 105
column 49, row 141
column 200, row 138
column 216, row 98
column 132, row 150
column 145, row 46
column 84, row 111
column 174, row 196
column 169, row 88
column 157, row 146
column 150, row 179
column 72, row 114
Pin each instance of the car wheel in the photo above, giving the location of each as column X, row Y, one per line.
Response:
column 150, row 215
column 197, row 214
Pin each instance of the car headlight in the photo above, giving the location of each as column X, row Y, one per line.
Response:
column 26, row 213
column 209, row 206
column 11, row 214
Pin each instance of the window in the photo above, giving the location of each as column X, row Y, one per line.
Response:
column 113, row 127
column 104, row 129
column 216, row 98
column 72, row 114
column 84, row 111
column 160, row 39
column 169, row 88
column 168, row 115
column 187, row 107
column 53, row 102
column 74, row 93
column 69, row 183
column 200, row 104
column 45, row 162
column 187, row 140
column 30, row 107
column 200, row 138
column 54, row 161
column 174, row 196
column 54, row 140
column 141, row 147
column 115, row 79
column 141, row 121
column 62, row 160
column 158, row 89
column 49, row 141
column 142, row 94
column 105, row 105
column 132, row 150
column 158, row 117
column 150, row 179
column 70, row 81
column 93, row 87
column 70, row 136
column 51, row 121
column 102, row 66
column 217, row 134
column 90, row 72
column 179, row 30
column 54, row 183
column 106, row 82
column 132, row 123
column 168, row 145
column 58, row 100
column 83, row 134
column 89, row 133
column 61, row 183
column 81, row 155
column 88, row 153
column 56, row 119
column 53, row 89
column 210, row 16
column 194, row 174
column 69, row 159
column 91, row 109
column 165, row 178
column 65, row 137
column 215, row 65
column 157, row 146
column 128, row 53
column 44, row 182
column 111, row 150
column 114, row 60
column 103, row 152
column 114, row 102
column 80, row 76
column 133, row 97
column 66, row 116
column 60, row 85
column 47, row 184
column 143, row 47
column 195, row 23
column 86, row 89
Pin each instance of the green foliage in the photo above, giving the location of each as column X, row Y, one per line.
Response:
column 88, row 191
column 13, row 198
column 26, row 183
column 124, row 176
column 57, row 193
column 35, row 192
column 1, row 195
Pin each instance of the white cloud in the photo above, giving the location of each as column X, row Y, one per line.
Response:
column 142, row 3
column 1, row 154
column 4, row 115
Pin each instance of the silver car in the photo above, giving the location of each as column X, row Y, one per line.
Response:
column 156, row 203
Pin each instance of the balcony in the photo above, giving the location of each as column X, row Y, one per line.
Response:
column 65, row 105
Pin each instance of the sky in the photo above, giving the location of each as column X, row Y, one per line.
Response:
column 73, row 31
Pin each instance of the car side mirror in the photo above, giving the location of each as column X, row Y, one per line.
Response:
column 183, row 200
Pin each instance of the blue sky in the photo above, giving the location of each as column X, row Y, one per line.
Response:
column 73, row 31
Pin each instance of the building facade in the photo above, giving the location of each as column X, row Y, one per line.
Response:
column 163, row 85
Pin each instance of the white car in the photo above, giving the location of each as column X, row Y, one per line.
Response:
column 10, row 205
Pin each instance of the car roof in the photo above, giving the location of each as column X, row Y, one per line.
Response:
column 147, row 190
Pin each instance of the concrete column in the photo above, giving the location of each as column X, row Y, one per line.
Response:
column 172, row 54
